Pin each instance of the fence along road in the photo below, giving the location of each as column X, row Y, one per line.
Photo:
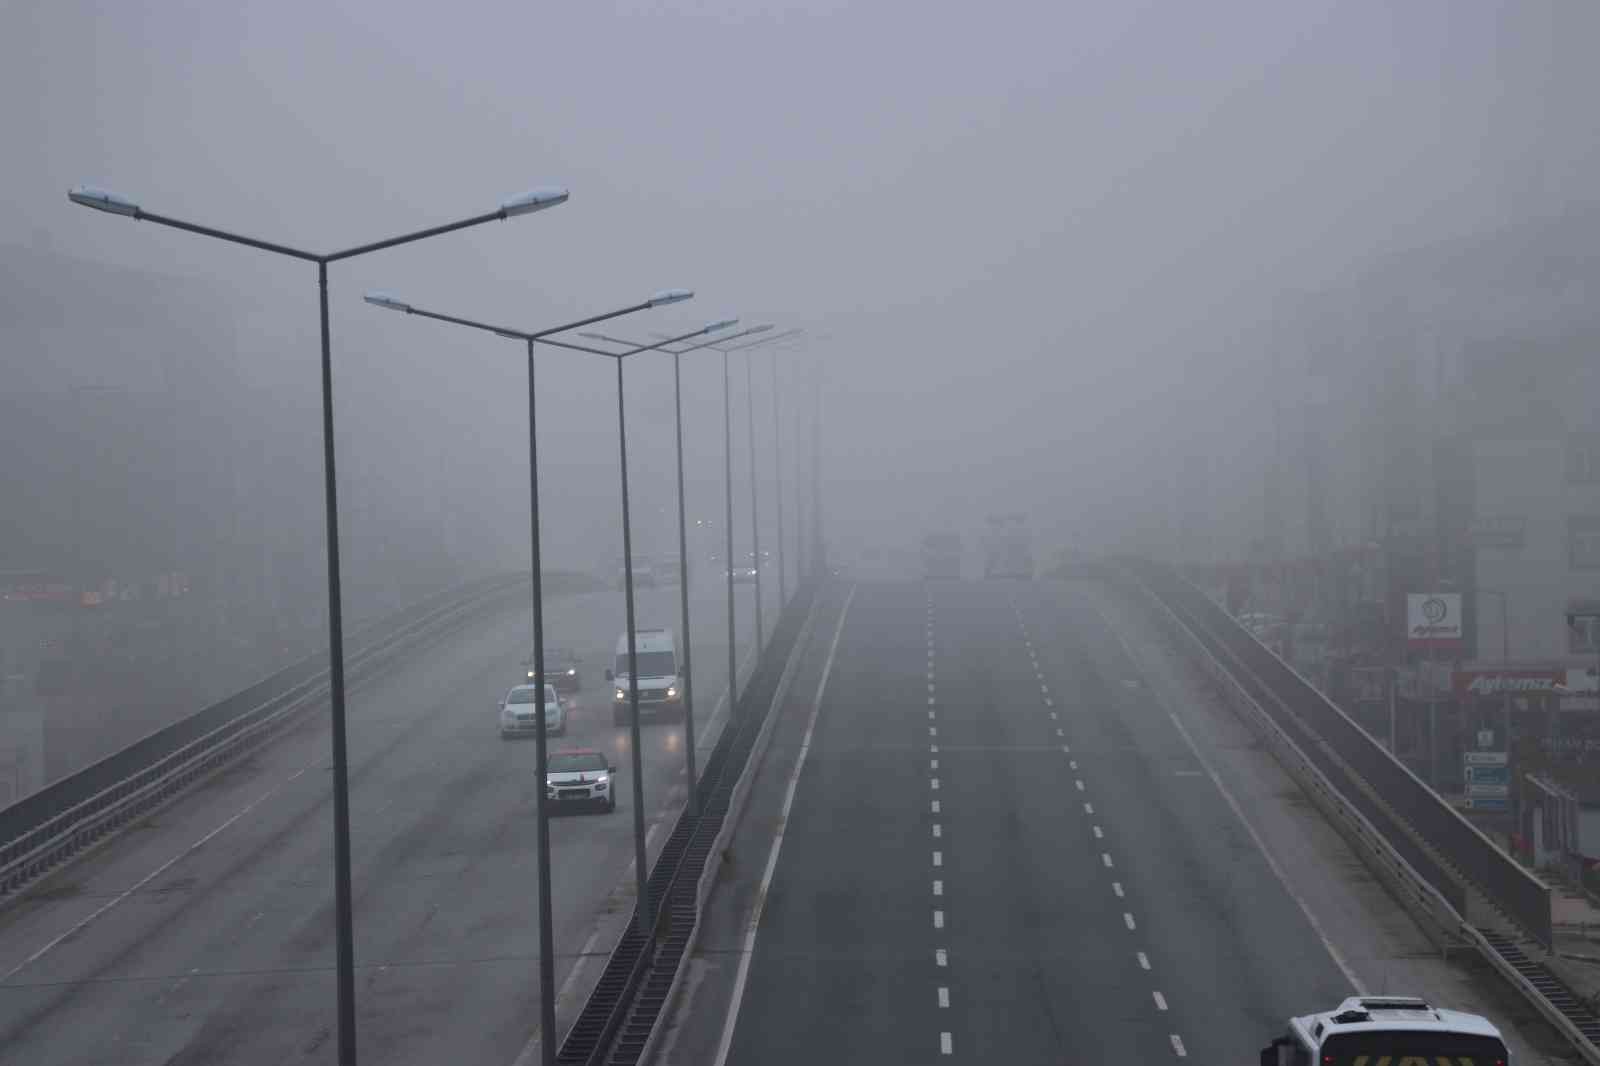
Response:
column 206, row 933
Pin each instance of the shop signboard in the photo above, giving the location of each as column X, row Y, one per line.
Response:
column 1433, row 620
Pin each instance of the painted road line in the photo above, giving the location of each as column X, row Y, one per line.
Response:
column 1127, row 920
column 1144, row 960
column 777, row 842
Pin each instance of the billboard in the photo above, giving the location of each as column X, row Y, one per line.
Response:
column 1433, row 620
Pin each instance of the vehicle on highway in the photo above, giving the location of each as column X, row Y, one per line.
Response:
column 580, row 778
column 519, row 712
column 562, row 668
column 1393, row 1030
column 1008, row 547
column 644, row 575
column 941, row 556
column 660, row 687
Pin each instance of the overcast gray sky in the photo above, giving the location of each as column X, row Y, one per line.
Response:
column 1040, row 239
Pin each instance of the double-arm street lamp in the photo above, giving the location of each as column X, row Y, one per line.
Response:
column 683, row 562
column 641, row 870
column 527, row 203
column 547, row 965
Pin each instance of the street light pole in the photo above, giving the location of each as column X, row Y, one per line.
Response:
column 755, row 510
column 547, row 965
column 646, row 928
column 537, row 200
column 777, row 475
column 693, row 802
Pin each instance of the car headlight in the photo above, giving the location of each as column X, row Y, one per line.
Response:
column 601, row 782
column 572, row 673
column 621, row 695
column 672, row 692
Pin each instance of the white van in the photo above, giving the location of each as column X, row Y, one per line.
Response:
column 660, row 687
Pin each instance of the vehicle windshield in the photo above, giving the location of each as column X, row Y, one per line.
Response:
column 651, row 664
column 1399, row 1048
column 524, row 694
column 571, row 762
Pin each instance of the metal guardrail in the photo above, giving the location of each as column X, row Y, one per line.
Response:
column 617, row 1023
column 1524, row 898
column 1437, row 914
column 57, row 824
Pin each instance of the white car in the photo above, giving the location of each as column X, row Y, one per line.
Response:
column 581, row 777
column 519, row 714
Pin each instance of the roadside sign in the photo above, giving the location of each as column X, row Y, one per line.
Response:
column 1433, row 619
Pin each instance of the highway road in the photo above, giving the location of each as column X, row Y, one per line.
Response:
column 1000, row 849
column 206, row 934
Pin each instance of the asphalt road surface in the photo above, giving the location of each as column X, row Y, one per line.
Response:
column 1001, row 850
column 206, row 934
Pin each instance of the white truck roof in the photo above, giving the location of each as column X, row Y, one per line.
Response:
column 647, row 640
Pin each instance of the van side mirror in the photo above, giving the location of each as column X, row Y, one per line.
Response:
column 609, row 675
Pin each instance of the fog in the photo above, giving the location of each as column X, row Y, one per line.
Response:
column 1047, row 257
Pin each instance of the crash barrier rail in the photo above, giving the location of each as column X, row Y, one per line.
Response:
column 1521, row 896
column 51, row 826
column 618, row 1021
column 1439, row 914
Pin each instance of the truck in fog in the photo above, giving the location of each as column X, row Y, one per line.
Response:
column 1008, row 547
column 941, row 556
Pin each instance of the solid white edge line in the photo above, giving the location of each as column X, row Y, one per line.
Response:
column 153, row 874
column 1356, row 984
column 1272, row 864
column 743, row 975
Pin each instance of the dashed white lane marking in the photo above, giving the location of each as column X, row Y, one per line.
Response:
column 1052, row 716
column 935, row 806
column 930, row 687
column 930, row 701
column 1079, row 784
column 941, row 957
column 945, row 1046
column 1105, row 857
column 931, row 715
column 1178, row 1048
column 933, row 730
column 1066, row 748
column 1127, row 920
column 938, row 888
column 938, row 858
column 933, row 764
column 938, row 919
column 777, row 844
column 934, row 748
column 1098, row 835
column 1061, row 732
column 1048, row 702
column 1161, row 1001
column 936, row 784
column 1088, row 808
column 944, row 998
column 938, row 830
column 1045, row 689
column 1116, row 886
column 153, row 874
column 1072, row 764
column 1144, row 960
